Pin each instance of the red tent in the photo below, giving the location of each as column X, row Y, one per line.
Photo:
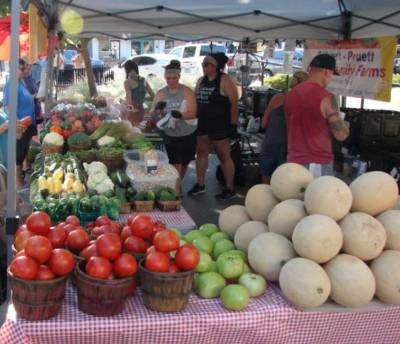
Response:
column 5, row 36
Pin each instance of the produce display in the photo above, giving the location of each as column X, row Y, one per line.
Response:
column 39, row 256
column 313, row 245
column 60, row 186
column 222, row 270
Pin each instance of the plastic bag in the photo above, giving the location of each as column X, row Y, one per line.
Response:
column 254, row 125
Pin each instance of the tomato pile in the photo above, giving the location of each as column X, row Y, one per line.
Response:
column 161, row 246
column 40, row 254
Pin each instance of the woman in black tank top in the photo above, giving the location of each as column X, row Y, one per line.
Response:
column 217, row 114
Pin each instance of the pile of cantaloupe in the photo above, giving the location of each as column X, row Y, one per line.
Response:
column 321, row 238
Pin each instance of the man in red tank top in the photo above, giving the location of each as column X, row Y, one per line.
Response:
column 313, row 117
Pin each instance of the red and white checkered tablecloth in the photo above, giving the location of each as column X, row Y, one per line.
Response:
column 172, row 219
column 268, row 319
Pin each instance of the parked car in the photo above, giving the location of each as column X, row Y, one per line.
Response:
column 150, row 65
column 191, row 56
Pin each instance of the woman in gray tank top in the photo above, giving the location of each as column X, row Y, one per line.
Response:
column 176, row 105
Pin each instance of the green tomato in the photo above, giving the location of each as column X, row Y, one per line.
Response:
column 235, row 297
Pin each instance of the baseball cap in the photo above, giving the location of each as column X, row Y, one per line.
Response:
column 325, row 61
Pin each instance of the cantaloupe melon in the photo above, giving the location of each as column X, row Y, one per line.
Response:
column 317, row 237
column 391, row 222
column 285, row 215
column 328, row 196
column 247, row 232
column 386, row 269
column 268, row 252
column 290, row 180
column 352, row 281
column 363, row 236
column 259, row 202
column 397, row 204
column 374, row 192
column 304, row 283
column 231, row 218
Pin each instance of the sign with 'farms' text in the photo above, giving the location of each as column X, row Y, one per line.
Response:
column 365, row 65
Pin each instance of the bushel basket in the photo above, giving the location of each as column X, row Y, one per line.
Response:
column 165, row 292
column 37, row 300
column 51, row 149
column 102, row 297
column 143, row 206
column 113, row 163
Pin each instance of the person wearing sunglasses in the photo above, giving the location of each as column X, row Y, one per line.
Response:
column 274, row 146
column 217, row 112
column 25, row 118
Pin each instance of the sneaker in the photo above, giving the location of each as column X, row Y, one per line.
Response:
column 226, row 194
column 197, row 189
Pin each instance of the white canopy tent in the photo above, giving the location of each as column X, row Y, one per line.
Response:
column 257, row 19
column 207, row 20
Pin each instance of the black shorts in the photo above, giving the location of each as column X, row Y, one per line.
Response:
column 216, row 129
column 181, row 150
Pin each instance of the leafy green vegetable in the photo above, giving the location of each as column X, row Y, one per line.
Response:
column 80, row 139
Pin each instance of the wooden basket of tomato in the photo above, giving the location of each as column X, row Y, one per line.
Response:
column 167, row 270
column 106, row 278
column 39, row 271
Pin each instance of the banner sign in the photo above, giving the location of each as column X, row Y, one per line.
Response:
column 365, row 65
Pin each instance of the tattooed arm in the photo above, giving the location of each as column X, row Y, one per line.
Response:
column 330, row 110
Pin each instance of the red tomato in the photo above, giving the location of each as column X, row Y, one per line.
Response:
column 157, row 228
column 90, row 225
column 157, row 262
column 187, row 257
column 24, row 267
column 21, row 239
column 142, row 226
column 21, row 228
column 130, row 219
column 57, row 237
column 88, row 252
column 45, row 274
column 98, row 267
column 61, row 262
column 61, row 225
column 116, row 227
column 166, row 241
column 111, row 276
column 73, row 220
column 173, row 268
column 20, row 253
column 39, row 248
column 125, row 265
column 135, row 244
column 109, row 246
column 69, row 228
column 77, row 240
column 38, row 222
column 102, row 220
column 151, row 249
column 126, row 232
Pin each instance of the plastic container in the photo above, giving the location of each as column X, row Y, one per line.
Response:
column 167, row 176
column 136, row 157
